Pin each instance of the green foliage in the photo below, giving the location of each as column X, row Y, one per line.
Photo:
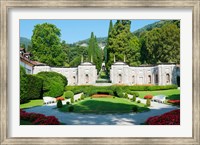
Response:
column 53, row 83
column 138, row 101
column 148, row 102
column 23, row 86
column 161, row 45
column 68, row 94
column 71, row 108
column 126, row 96
column 59, row 104
column 34, row 85
column 135, row 108
column 94, row 52
column 46, row 46
column 122, row 43
column 134, row 98
column 82, row 97
column 72, row 99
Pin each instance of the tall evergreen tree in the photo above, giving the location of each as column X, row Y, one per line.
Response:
column 95, row 52
column 122, row 43
column 109, row 33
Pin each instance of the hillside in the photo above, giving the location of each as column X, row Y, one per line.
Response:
column 25, row 41
column 158, row 24
column 102, row 40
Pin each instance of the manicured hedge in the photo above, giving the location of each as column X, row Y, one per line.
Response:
column 23, row 86
column 53, row 83
column 35, row 85
column 116, row 90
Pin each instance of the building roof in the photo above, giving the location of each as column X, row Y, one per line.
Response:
column 86, row 63
column 31, row 62
column 119, row 63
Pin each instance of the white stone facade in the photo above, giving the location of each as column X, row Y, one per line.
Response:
column 164, row 74
column 84, row 74
column 120, row 73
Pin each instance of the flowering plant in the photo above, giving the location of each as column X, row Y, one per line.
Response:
column 38, row 119
column 176, row 102
column 60, row 98
column 148, row 97
column 169, row 118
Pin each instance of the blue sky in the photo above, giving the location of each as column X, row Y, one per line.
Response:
column 75, row 30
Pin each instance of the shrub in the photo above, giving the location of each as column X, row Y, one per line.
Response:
column 60, row 98
column 134, row 98
column 76, row 100
column 169, row 118
column 135, row 109
column 59, row 104
column 71, row 108
column 175, row 102
column 113, row 97
column 82, row 97
column 67, row 103
column 126, row 96
column 138, row 101
column 68, row 94
column 148, row 97
column 23, row 86
column 38, row 119
column 34, row 85
column 53, row 83
column 148, row 102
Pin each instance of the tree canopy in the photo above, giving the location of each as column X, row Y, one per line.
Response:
column 46, row 46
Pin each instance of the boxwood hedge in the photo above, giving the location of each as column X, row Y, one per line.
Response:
column 53, row 83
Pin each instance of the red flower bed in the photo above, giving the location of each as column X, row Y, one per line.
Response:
column 176, row 102
column 39, row 119
column 169, row 118
column 101, row 96
column 148, row 97
column 60, row 98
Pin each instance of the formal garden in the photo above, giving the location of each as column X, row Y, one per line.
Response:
column 88, row 99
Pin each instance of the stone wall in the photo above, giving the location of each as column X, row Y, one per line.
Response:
column 164, row 74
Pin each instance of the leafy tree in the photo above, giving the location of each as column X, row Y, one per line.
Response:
column 161, row 45
column 46, row 46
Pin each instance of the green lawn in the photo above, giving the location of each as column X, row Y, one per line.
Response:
column 32, row 103
column 173, row 94
column 105, row 105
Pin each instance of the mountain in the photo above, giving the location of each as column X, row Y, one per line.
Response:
column 25, row 41
column 102, row 40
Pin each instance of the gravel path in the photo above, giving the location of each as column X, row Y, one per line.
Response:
column 108, row 119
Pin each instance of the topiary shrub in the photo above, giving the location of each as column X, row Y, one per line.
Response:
column 148, row 102
column 34, row 85
column 126, row 96
column 53, row 83
column 148, row 97
column 138, row 101
column 82, row 97
column 59, row 104
column 134, row 98
column 68, row 94
column 71, row 108
column 135, row 109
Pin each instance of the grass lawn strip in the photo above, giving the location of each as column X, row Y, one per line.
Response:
column 105, row 105
column 32, row 103
column 173, row 94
